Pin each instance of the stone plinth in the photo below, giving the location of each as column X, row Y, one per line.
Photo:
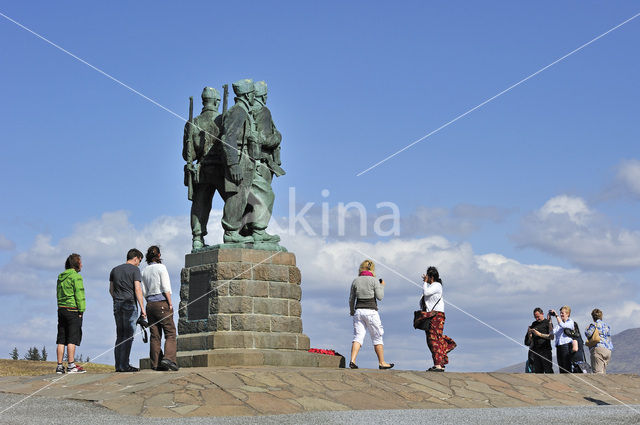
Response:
column 241, row 306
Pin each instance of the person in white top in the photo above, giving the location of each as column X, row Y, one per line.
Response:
column 438, row 343
column 156, row 288
column 564, row 343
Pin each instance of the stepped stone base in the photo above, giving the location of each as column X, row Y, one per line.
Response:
column 252, row 357
column 241, row 307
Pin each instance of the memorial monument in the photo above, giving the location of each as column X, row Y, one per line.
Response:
column 236, row 154
column 239, row 300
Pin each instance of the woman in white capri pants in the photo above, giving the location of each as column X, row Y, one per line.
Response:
column 363, row 306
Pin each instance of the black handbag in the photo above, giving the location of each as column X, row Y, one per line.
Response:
column 422, row 318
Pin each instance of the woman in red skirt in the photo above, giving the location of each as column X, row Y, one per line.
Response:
column 438, row 343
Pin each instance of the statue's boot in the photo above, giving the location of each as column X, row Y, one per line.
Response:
column 262, row 236
column 233, row 236
column 198, row 243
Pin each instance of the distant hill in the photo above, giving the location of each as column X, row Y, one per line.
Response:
column 626, row 347
column 624, row 359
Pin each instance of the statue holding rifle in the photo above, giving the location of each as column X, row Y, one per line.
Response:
column 267, row 164
column 205, row 168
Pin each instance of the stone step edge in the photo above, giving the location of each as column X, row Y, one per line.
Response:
column 253, row 357
column 243, row 339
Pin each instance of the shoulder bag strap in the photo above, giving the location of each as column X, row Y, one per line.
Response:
column 434, row 306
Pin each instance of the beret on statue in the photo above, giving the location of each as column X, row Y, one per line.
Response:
column 243, row 86
column 261, row 88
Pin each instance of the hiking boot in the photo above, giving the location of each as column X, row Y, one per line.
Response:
column 233, row 236
column 198, row 243
column 169, row 364
column 262, row 236
column 60, row 369
column 75, row 369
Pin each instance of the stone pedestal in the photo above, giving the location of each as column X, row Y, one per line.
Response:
column 241, row 307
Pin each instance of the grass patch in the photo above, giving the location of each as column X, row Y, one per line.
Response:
column 10, row 367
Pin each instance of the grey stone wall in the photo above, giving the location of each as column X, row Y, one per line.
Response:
column 240, row 298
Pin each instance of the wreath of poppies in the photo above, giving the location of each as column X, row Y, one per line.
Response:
column 322, row 351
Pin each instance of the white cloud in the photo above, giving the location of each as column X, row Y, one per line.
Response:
column 567, row 227
column 498, row 290
column 6, row 244
column 628, row 176
column 575, row 208
column 103, row 243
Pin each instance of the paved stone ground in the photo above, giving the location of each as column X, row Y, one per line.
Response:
column 253, row 391
column 52, row 411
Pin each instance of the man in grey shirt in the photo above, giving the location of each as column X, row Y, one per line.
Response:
column 125, row 289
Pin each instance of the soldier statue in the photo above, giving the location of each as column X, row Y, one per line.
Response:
column 261, row 196
column 237, row 154
column 201, row 143
column 241, row 139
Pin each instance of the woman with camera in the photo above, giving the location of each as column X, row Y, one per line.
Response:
column 438, row 343
column 564, row 343
column 366, row 290
column 156, row 288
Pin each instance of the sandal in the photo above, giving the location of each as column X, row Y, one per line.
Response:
column 352, row 365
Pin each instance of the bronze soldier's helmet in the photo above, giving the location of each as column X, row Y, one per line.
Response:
column 210, row 93
column 260, row 87
column 241, row 87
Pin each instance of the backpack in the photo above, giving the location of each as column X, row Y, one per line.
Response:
column 578, row 361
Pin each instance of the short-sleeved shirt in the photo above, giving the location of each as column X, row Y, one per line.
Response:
column 123, row 278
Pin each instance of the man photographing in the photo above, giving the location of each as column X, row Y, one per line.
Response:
column 538, row 338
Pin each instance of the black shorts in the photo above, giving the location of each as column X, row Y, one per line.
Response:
column 69, row 327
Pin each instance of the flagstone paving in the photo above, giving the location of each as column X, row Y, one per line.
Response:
column 249, row 391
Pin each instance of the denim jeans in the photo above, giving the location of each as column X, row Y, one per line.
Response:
column 126, row 315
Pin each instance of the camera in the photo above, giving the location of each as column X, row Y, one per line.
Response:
column 142, row 321
column 552, row 313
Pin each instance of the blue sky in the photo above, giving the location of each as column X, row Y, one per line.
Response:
column 530, row 200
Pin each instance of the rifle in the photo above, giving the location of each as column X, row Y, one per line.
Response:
column 225, row 97
column 189, row 168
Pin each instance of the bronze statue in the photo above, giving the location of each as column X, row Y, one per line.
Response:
column 261, row 196
column 240, row 137
column 237, row 154
column 201, row 143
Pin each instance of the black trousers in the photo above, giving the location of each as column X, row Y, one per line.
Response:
column 563, row 355
column 541, row 361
